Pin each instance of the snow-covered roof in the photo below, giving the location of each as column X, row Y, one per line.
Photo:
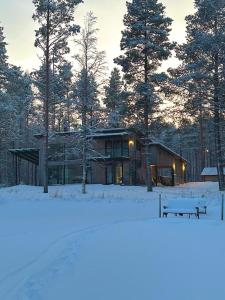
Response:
column 100, row 132
column 105, row 134
column 210, row 171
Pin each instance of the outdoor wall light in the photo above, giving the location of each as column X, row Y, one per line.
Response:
column 131, row 143
column 174, row 166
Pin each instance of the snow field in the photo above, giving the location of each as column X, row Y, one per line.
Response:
column 109, row 244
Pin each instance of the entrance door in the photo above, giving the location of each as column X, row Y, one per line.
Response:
column 118, row 173
column 109, row 174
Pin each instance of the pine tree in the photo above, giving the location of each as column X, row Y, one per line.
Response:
column 202, row 69
column 15, row 100
column 56, row 19
column 115, row 100
column 145, row 42
column 3, row 58
column 66, row 77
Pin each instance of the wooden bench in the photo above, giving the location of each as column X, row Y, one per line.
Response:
column 181, row 211
column 188, row 206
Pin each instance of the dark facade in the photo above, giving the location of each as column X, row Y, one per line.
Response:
column 116, row 156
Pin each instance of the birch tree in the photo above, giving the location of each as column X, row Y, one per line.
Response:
column 92, row 66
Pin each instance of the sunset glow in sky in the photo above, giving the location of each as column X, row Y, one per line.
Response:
column 16, row 18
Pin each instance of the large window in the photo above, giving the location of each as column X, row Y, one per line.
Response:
column 73, row 174
column 125, row 149
column 71, row 153
column 65, row 174
column 116, row 149
column 56, row 152
column 108, row 148
column 56, row 175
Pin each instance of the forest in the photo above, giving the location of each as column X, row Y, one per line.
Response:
column 73, row 89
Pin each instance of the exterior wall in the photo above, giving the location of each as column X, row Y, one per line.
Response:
column 127, row 173
column 163, row 158
column 213, row 178
column 98, row 173
column 179, row 173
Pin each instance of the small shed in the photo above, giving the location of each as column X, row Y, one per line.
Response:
column 210, row 174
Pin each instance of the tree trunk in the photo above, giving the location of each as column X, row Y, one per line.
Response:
column 217, row 119
column 84, row 130
column 217, row 122
column 147, row 148
column 46, row 106
column 202, row 147
column 146, row 124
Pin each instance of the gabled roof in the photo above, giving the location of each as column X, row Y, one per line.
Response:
column 211, row 171
column 164, row 147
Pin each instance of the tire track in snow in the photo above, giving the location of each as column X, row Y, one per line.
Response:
column 5, row 292
column 23, row 281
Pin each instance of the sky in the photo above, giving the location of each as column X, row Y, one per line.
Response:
column 16, row 18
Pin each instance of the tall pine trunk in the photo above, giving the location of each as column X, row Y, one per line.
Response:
column 46, row 106
column 84, row 130
column 146, row 124
column 217, row 117
column 217, row 122
column 202, row 144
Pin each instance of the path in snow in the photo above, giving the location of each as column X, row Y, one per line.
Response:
column 104, row 245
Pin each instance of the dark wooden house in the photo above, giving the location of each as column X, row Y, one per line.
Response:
column 116, row 156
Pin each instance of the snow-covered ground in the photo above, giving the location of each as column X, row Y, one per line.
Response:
column 109, row 244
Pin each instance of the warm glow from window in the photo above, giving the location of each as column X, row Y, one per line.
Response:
column 183, row 167
column 131, row 143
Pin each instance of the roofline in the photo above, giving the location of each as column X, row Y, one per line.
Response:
column 26, row 149
column 169, row 150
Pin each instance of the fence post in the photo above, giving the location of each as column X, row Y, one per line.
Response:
column 160, row 205
column 222, row 207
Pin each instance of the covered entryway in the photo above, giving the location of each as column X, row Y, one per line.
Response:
column 163, row 175
column 114, row 173
column 26, row 165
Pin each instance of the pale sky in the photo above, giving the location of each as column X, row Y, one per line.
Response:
column 16, row 18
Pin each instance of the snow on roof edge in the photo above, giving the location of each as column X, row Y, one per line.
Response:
column 210, row 171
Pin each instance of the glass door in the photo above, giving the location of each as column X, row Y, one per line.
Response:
column 109, row 174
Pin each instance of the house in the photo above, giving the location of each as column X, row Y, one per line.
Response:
column 210, row 174
column 117, row 156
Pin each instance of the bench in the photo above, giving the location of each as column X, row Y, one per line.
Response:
column 180, row 211
column 189, row 207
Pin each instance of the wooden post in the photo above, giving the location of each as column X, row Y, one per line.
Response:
column 160, row 205
column 222, row 208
